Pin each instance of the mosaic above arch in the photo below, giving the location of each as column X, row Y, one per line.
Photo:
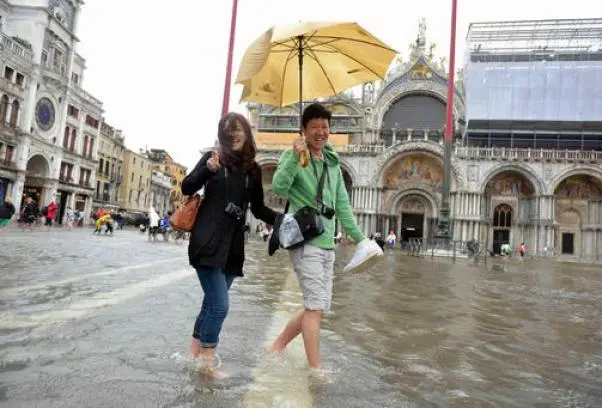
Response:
column 509, row 183
column 415, row 170
column 579, row 187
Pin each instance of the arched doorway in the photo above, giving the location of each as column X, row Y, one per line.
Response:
column 506, row 192
column 502, row 223
column 36, row 177
column 415, row 213
column 578, row 202
column 416, row 177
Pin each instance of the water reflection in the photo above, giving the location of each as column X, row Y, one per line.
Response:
column 506, row 333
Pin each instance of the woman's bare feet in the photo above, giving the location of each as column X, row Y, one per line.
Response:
column 275, row 348
column 195, row 348
column 210, row 364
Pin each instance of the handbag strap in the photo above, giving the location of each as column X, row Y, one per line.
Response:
column 319, row 192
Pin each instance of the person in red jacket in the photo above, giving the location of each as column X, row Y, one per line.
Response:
column 50, row 215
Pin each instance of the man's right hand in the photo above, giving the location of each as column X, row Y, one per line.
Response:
column 213, row 162
column 299, row 145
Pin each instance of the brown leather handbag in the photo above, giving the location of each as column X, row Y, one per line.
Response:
column 184, row 217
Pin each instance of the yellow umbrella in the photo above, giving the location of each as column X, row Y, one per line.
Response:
column 309, row 60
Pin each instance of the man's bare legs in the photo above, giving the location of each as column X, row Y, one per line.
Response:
column 306, row 322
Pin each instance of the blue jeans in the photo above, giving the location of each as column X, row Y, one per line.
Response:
column 216, row 284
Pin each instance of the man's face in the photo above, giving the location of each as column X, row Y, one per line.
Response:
column 316, row 133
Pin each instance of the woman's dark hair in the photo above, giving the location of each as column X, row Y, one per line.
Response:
column 315, row 111
column 228, row 157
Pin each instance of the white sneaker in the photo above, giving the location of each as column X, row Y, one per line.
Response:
column 365, row 255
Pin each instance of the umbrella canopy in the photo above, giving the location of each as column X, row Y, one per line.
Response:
column 288, row 64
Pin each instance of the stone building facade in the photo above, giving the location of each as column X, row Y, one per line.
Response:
column 109, row 174
column 518, row 174
column 49, row 129
column 135, row 195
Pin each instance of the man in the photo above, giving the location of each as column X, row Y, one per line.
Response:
column 7, row 210
column 51, row 213
column 314, row 262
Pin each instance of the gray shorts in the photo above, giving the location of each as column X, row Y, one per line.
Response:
column 315, row 270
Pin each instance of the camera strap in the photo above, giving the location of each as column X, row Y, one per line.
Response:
column 320, row 191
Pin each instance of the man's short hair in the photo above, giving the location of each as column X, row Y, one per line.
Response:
column 315, row 111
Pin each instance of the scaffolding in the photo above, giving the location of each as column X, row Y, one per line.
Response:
column 534, row 77
column 568, row 36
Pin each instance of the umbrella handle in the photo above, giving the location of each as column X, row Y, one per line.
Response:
column 304, row 158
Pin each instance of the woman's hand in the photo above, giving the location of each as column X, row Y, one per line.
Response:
column 213, row 162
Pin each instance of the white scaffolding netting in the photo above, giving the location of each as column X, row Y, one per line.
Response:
column 534, row 91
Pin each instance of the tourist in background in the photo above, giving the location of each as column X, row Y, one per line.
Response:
column 7, row 210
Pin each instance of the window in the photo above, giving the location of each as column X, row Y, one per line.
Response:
column 44, row 57
column 107, row 168
column 100, row 166
column 73, row 111
column 66, row 172
column 8, row 73
column 75, row 78
column 73, row 138
column 92, row 122
column 132, row 178
column 8, row 156
column 133, row 160
column 66, row 137
column 58, row 58
column 20, row 80
column 14, row 114
column 3, row 108
column 91, row 148
column 130, row 197
column 502, row 216
column 85, row 147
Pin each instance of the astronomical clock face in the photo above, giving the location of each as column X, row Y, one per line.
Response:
column 63, row 10
column 45, row 114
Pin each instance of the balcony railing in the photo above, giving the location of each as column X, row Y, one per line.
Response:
column 344, row 149
column 286, row 122
column 87, row 97
column 507, row 153
column 14, row 47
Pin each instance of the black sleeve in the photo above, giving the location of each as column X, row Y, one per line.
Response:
column 198, row 176
column 258, row 207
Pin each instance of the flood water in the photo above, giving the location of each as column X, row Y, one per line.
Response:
column 415, row 332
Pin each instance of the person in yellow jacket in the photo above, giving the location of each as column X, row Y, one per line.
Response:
column 102, row 221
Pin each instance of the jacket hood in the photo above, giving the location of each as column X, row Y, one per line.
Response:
column 330, row 156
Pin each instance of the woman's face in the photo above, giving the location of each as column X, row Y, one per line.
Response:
column 238, row 137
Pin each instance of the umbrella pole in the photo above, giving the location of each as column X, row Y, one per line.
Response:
column 304, row 157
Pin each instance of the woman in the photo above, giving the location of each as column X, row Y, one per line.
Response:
column 232, row 181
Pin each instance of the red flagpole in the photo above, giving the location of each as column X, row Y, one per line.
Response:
column 449, row 117
column 226, row 101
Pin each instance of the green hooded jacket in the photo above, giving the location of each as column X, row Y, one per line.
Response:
column 299, row 185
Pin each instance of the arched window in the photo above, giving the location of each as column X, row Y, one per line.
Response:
column 66, row 138
column 73, row 138
column 3, row 108
column 502, row 216
column 14, row 114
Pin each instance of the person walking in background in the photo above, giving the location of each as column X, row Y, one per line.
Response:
column 313, row 262
column 7, row 210
column 232, row 181
column 50, row 213
column 391, row 239
column 30, row 213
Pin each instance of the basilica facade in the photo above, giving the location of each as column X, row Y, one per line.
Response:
column 527, row 152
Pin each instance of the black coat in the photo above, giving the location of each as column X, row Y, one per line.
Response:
column 217, row 239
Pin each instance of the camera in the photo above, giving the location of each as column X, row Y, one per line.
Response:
column 235, row 211
column 327, row 211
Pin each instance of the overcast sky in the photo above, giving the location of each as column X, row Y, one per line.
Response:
column 159, row 67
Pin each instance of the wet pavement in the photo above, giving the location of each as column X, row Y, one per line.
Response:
column 91, row 321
